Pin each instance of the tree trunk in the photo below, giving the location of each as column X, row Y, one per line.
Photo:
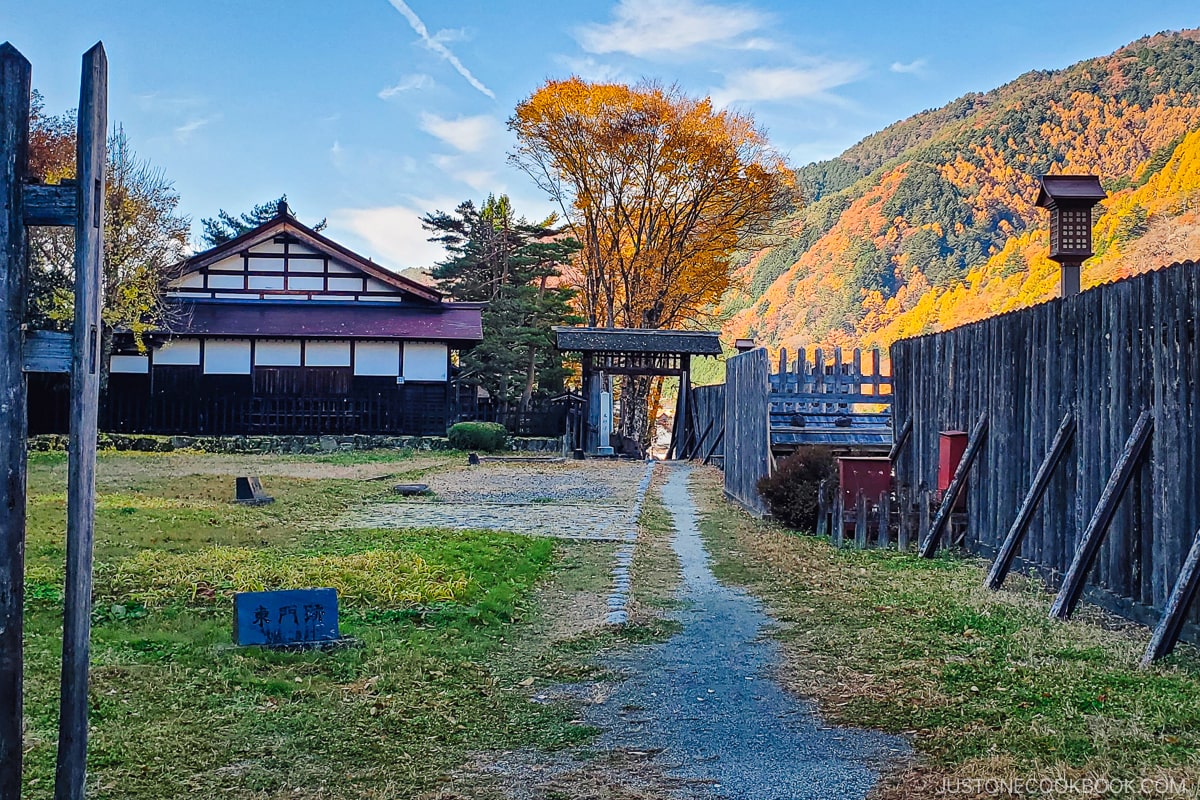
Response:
column 635, row 409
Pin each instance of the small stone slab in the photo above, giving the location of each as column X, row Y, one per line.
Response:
column 286, row 618
column 249, row 491
column 411, row 489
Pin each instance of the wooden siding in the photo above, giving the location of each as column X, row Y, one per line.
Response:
column 1103, row 356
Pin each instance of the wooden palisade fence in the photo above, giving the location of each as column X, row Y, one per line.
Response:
column 1086, row 453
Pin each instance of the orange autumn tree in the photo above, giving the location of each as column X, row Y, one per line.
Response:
column 661, row 189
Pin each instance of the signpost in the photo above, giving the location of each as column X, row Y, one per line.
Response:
column 292, row 617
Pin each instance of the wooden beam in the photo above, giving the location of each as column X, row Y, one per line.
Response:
column 900, row 440
column 85, row 402
column 15, row 73
column 1012, row 541
column 957, row 484
column 1166, row 633
column 1102, row 517
column 716, row 443
column 47, row 351
column 49, row 204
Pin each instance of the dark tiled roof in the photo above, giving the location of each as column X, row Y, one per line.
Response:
column 638, row 340
column 1069, row 187
column 447, row 322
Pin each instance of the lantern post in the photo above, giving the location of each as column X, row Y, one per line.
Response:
column 1070, row 199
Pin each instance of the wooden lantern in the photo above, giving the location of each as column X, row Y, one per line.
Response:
column 1070, row 199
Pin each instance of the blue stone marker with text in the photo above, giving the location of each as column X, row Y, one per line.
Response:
column 287, row 617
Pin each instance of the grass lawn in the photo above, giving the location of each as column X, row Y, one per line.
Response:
column 449, row 623
column 983, row 683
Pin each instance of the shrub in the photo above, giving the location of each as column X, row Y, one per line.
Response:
column 791, row 492
column 486, row 436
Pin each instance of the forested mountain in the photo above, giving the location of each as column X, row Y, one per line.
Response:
column 930, row 222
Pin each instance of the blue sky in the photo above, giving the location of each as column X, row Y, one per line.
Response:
column 372, row 112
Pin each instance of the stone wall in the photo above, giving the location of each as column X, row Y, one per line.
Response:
column 282, row 444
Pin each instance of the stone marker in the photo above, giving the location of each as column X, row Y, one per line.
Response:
column 292, row 617
column 410, row 489
column 250, row 492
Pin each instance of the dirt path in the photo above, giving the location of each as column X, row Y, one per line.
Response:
column 708, row 702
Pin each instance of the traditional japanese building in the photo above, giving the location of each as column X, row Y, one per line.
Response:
column 284, row 331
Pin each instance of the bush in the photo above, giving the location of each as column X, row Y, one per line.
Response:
column 791, row 492
column 486, row 436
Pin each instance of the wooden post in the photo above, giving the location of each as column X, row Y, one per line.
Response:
column 839, row 518
column 860, row 521
column 15, row 73
column 904, row 532
column 1093, row 535
column 1012, row 542
column 822, row 509
column 1166, row 634
column 885, row 514
column 85, row 401
column 922, row 516
column 957, row 484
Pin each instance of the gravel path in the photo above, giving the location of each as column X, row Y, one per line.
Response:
column 709, row 700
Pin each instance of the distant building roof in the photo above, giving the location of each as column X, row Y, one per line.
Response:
column 449, row 322
column 638, row 340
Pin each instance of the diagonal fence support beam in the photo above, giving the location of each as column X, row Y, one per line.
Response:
column 957, row 484
column 901, row 440
column 1166, row 633
column 1012, row 542
column 1102, row 517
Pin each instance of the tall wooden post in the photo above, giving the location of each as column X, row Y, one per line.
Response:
column 14, row 159
column 85, row 398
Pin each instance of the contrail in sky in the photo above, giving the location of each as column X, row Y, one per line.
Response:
column 438, row 47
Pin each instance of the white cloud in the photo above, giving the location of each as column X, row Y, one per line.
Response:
column 436, row 45
column 647, row 27
column 465, row 134
column 394, row 233
column 406, row 84
column 786, row 83
column 468, row 171
column 916, row 67
column 183, row 133
column 337, row 153
column 590, row 69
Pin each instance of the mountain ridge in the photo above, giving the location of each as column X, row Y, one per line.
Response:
column 922, row 208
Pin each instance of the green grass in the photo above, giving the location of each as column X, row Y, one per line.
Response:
column 446, row 621
column 982, row 682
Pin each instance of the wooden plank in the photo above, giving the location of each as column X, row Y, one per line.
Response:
column 904, row 532
column 900, row 440
column 823, row 508
column 818, row 397
column 14, row 156
column 839, row 518
column 1183, row 594
column 716, row 443
column 957, row 483
column 85, row 399
column 50, row 204
column 47, row 351
column 885, row 515
column 1012, row 541
column 860, row 520
column 1093, row 535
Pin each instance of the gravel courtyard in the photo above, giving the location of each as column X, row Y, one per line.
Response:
column 591, row 500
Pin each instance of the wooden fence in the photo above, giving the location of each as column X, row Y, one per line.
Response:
column 1073, row 405
column 747, row 429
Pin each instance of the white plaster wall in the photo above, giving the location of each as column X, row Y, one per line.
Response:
column 326, row 353
column 179, row 352
column 425, row 361
column 227, row 357
column 377, row 358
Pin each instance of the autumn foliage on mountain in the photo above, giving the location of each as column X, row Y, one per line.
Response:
column 930, row 223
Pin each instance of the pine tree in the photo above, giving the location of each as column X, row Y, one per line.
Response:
column 512, row 265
